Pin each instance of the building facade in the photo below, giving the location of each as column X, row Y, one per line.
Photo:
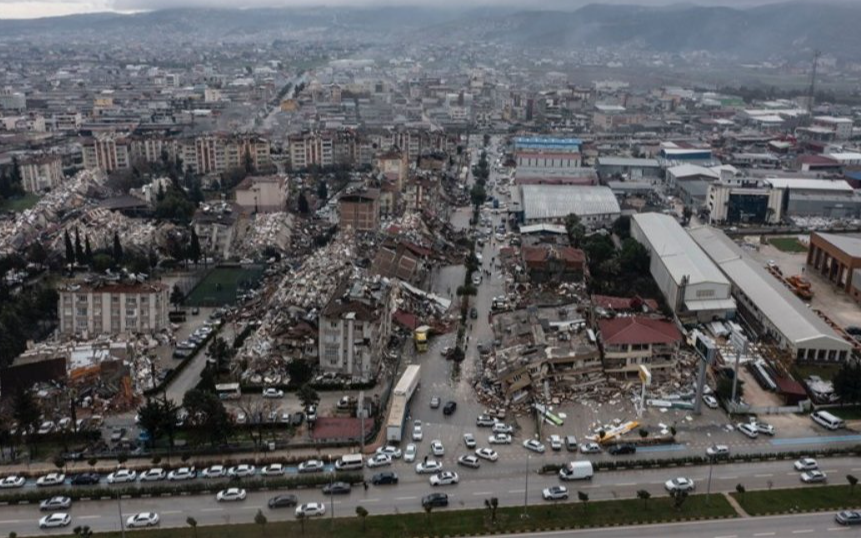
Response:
column 360, row 211
column 113, row 308
column 837, row 258
column 262, row 194
column 41, row 173
column 631, row 342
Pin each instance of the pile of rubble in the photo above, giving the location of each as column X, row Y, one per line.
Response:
column 267, row 230
column 100, row 224
column 47, row 215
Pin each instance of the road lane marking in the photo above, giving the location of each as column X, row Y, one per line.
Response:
column 14, row 521
column 483, row 493
column 728, row 536
column 372, row 500
column 803, row 531
column 837, row 529
column 89, row 517
column 765, row 534
column 405, row 498
column 516, row 491
column 172, row 512
column 766, row 475
column 212, row 509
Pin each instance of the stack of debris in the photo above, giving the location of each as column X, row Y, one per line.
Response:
column 100, row 225
column 267, row 230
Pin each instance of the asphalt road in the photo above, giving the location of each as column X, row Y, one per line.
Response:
column 819, row 525
column 506, row 480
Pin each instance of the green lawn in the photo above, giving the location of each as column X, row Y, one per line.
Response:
column 450, row 522
column 787, row 244
column 847, row 413
column 824, row 371
column 811, row 498
column 19, row 204
column 220, row 286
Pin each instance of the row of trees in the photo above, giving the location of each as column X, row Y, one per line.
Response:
column 11, row 181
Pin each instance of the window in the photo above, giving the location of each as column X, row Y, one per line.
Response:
column 705, row 293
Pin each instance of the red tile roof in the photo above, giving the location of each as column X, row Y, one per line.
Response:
column 539, row 255
column 623, row 303
column 638, row 330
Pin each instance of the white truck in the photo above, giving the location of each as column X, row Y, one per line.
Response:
column 577, row 470
column 400, row 401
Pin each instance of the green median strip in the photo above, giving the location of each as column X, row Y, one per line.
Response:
column 806, row 499
column 453, row 522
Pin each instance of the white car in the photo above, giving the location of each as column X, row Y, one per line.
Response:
column 485, row 421
column 51, row 479
column 310, row 510
column 428, row 467
column 679, row 484
column 445, row 478
column 710, row 401
column 410, row 453
column 242, row 471
column 468, row 460
column 555, row 493
column 55, row 503
column 379, row 460
column 12, row 482
column 533, row 445
column 144, row 519
column 311, row 466
column 183, row 473
column 437, row 449
column 417, row 430
column 806, row 464
column 716, row 451
column 487, row 454
column 765, row 428
column 121, row 476
column 273, row 469
column 231, row 494
column 555, row 443
column 273, row 393
column 390, row 451
column 469, row 440
column 499, row 439
column 215, row 471
column 748, row 429
column 60, row 519
column 590, row 448
column 153, row 475
column 810, row 477
column 499, row 427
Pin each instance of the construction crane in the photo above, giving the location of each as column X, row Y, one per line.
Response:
column 811, row 90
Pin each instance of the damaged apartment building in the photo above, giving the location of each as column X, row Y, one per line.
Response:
column 354, row 328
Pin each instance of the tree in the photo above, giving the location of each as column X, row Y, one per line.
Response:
column 59, row 462
column 478, row 195
column 88, row 251
column 191, row 522
column 428, row 509
column 300, row 371
column 634, row 258
column 220, row 352
column 307, row 395
column 79, row 247
column 300, row 517
column 598, row 248
column 853, row 480
column 622, row 227
column 207, row 414
column 25, row 411
column 645, row 496
column 584, row 498
column 176, row 297
column 492, row 504
column 740, row 489
column 122, row 457
column 117, row 250
column 322, row 190
column 363, row 514
column 847, row 382
column 70, row 250
column 151, row 418
column 679, row 497
column 644, row 433
column 249, row 162
column 92, row 462
column 575, row 230
column 303, row 203
column 83, row 531
column 102, row 262
column 260, row 519
column 194, row 247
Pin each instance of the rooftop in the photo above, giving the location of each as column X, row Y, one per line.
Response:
column 638, row 330
column 558, row 201
column 850, row 244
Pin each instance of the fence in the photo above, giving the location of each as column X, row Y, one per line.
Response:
column 742, row 409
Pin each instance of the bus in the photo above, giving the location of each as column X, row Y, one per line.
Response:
column 228, row 391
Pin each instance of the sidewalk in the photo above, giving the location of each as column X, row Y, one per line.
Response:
column 737, row 507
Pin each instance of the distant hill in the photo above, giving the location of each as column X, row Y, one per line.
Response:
column 758, row 32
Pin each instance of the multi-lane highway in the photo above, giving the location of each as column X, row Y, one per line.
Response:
column 506, row 480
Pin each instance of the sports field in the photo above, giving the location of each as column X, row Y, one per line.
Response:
column 222, row 284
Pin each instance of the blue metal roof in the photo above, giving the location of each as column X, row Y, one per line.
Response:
column 546, row 142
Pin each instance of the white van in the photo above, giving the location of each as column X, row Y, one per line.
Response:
column 577, row 470
column 350, row 462
column 827, row 420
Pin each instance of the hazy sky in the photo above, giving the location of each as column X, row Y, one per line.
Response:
column 20, row 9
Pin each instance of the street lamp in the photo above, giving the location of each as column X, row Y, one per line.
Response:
column 526, row 489
column 709, row 485
column 120, row 514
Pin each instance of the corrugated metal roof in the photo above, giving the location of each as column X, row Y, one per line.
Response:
column 795, row 321
column 557, row 201
column 809, row 184
column 628, row 161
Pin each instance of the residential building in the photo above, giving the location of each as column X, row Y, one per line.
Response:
column 393, row 165
column 40, row 173
column 691, row 283
column 107, row 152
column 215, row 225
column 769, row 307
column 113, row 308
column 360, row 211
column 553, row 263
column 841, row 127
column 262, row 194
column 634, row 341
column 354, row 328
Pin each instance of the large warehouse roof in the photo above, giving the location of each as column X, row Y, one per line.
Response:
column 558, row 201
column 786, row 312
column 806, row 184
column 681, row 256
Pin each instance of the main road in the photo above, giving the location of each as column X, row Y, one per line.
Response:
column 507, row 482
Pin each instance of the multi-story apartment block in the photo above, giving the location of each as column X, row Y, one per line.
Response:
column 354, row 329
column 41, row 172
column 107, row 152
column 360, row 211
column 113, row 308
column 630, row 342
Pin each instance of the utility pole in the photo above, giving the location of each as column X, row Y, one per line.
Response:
column 739, row 342
column 526, row 490
column 120, row 514
column 709, row 486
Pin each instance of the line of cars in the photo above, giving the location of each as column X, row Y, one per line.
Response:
column 187, row 347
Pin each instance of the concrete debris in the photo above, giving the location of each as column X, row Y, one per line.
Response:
column 267, row 230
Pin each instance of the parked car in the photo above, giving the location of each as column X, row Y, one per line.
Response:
column 556, row 443
column 231, row 494
column 143, row 519
column 417, row 430
column 215, row 471
column 121, row 476
column 336, row 488
column 273, row 393
column 445, row 478
column 717, row 451
column 60, row 519
column 311, row 509
column 499, row 427
column 555, row 493
column 435, row 402
column 473, row 313
column 391, row 451
column 86, row 479
column 273, row 469
column 590, row 448
column 428, row 467
column 499, row 439
column 183, row 473
column 384, row 478
column 435, row 500
column 767, row 429
column 469, row 440
column 748, row 429
column 710, row 401
column 485, row 421
column 619, row 450
column 533, row 445
column 437, row 449
column 410, row 453
column 449, row 408
column 468, row 460
column 487, row 454
column 679, row 484
column 51, row 479
column 379, row 460
column 242, row 470
column 806, row 464
column 153, row 475
column 311, row 466
column 283, row 501
column 811, row 477
column 55, row 503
